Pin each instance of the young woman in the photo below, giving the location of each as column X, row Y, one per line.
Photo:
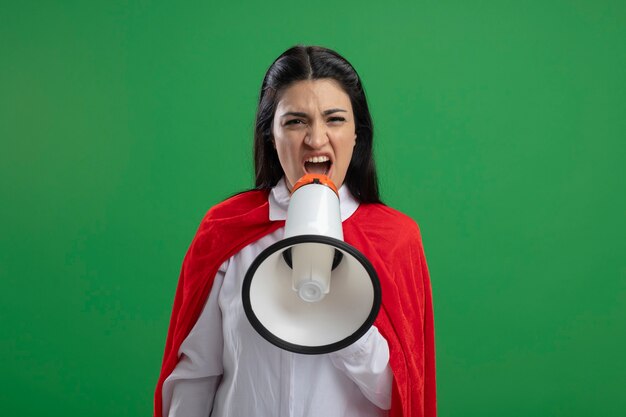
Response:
column 312, row 118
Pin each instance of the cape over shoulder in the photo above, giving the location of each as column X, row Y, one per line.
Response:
column 238, row 204
column 232, row 224
column 379, row 219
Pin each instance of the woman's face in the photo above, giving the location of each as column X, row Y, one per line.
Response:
column 313, row 130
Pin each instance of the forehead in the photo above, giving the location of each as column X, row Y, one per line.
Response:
column 314, row 95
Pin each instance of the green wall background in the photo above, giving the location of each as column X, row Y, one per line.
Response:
column 500, row 128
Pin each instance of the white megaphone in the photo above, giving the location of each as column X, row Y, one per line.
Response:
column 311, row 292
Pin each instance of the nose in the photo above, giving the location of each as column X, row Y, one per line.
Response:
column 317, row 136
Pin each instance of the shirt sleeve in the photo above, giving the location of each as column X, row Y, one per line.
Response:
column 366, row 362
column 193, row 397
column 190, row 389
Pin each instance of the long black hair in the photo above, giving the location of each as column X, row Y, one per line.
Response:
column 312, row 63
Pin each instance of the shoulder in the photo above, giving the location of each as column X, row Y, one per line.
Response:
column 238, row 205
column 390, row 217
column 237, row 219
column 384, row 222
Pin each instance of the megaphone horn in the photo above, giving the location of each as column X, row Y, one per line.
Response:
column 311, row 292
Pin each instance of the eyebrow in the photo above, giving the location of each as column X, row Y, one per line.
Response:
column 300, row 114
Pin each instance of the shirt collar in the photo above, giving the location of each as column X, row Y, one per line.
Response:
column 279, row 201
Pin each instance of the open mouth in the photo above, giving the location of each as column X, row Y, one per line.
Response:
column 322, row 167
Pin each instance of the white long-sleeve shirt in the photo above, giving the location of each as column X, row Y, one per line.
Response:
column 226, row 369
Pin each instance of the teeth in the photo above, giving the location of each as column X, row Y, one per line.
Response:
column 318, row 159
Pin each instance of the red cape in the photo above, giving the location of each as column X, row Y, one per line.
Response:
column 389, row 239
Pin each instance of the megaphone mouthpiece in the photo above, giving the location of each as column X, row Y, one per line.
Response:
column 315, row 179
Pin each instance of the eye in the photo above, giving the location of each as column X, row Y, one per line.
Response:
column 336, row 119
column 294, row 122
